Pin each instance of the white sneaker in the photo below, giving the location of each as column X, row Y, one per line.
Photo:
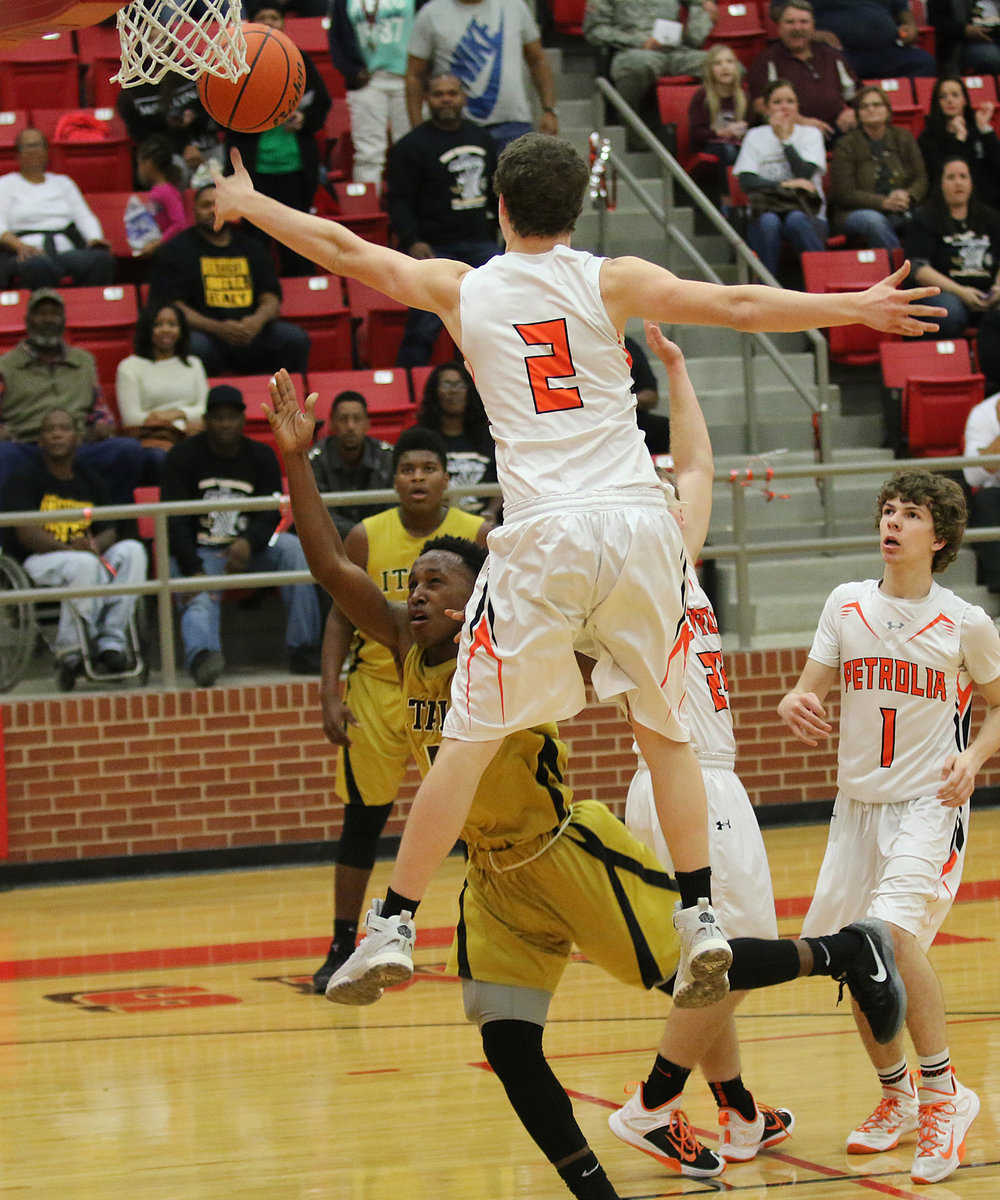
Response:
column 895, row 1116
column 944, row 1123
column 739, row 1139
column 665, row 1134
column 383, row 958
column 705, row 958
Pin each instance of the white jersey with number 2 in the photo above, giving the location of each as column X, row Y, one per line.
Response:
column 554, row 376
column 906, row 674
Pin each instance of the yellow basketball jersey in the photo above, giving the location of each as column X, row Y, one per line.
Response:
column 391, row 553
column 522, row 794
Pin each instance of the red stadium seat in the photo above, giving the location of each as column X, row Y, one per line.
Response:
column 42, row 73
column 11, row 124
column 567, row 16
column 102, row 320
column 933, row 384
column 739, row 26
column 310, row 35
column 386, row 392
column 906, row 112
column 316, row 303
column 98, row 166
column 100, row 56
column 847, row 271
column 13, row 314
column 673, row 101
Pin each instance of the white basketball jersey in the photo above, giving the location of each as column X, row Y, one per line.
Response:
column 553, row 374
column 706, row 704
column 907, row 669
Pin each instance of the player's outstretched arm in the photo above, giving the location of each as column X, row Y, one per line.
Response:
column 802, row 708
column 690, row 444
column 358, row 596
column 427, row 284
column 632, row 287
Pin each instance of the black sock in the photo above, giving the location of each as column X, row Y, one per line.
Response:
column 394, row 904
column 759, row 962
column 345, row 934
column 833, row 953
column 666, row 1080
column 693, row 885
column 585, row 1178
column 731, row 1093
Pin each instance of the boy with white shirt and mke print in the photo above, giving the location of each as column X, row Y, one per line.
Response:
column 908, row 653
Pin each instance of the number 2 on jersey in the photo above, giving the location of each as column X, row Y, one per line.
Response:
column 543, row 368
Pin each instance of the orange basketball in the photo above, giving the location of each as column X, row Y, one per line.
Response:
column 265, row 97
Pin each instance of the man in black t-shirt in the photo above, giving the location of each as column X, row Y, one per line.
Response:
column 75, row 552
column 440, row 199
column 221, row 463
column 226, row 284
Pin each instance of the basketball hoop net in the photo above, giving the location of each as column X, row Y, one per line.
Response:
column 161, row 36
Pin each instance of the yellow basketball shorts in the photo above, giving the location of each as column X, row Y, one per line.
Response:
column 595, row 887
column 371, row 769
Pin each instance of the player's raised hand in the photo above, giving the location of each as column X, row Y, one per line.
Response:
column 665, row 350
column 888, row 307
column 230, row 190
column 293, row 429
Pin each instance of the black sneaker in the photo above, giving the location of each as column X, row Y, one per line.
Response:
column 114, row 662
column 69, row 670
column 335, row 959
column 206, row 667
column 665, row 1134
column 874, row 981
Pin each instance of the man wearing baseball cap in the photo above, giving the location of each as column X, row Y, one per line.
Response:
column 222, row 463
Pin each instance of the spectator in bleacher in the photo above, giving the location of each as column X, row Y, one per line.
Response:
column 157, row 171
column 780, row 167
column 440, row 198
column 718, row 112
column 823, row 80
column 877, row 175
column 641, row 48
column 221, row 463
column 966, row 36
column 953, row 243
column 225, row 283
column 451, row 405
column 75, row 553
column 349, row 460
column 486, row 44
column 877, row 37
column 284, row 162
column 172, row 107
column 953, row 127
column 655, row 428
column 982, row 436
column 160, row 390
column 48, row 228
column 43, row 372
column 369, row 50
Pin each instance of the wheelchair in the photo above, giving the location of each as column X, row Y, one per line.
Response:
column 23, row 625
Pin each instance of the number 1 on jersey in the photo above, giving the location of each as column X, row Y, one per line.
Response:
column 888, row 736
column 557, row 364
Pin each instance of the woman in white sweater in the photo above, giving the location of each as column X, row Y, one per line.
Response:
column 161, row 388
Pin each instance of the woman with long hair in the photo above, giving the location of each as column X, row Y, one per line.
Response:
column 953, row 243
column 953, row 128
column 780, row 166
column 451, row 405
column 161, row 388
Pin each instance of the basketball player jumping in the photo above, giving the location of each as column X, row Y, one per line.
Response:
column 589, row 557
column 546, row 873
column 907, row 653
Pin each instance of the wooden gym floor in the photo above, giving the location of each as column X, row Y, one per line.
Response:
column 158, row 1040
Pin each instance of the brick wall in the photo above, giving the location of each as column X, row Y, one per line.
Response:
column 142, row 773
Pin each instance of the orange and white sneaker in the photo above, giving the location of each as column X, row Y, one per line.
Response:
column 665, row 1134
column 740, row 1139
column 895, row 1116
column 945, row 1118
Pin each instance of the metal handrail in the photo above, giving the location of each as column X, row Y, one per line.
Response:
column 740, row 549
column 748, row 266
